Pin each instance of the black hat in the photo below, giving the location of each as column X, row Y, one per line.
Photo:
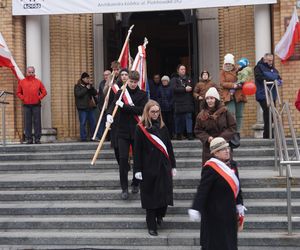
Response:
column 124, row 70
column 84, row 75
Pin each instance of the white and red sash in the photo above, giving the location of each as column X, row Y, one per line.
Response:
column 115, row 88
column 157, row 142
column 226, row 172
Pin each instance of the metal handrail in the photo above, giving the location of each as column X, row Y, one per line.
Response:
column 281, row 149
column 3, row 103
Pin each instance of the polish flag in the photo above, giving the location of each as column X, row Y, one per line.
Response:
column 286, row 46
column 140, row 65
column 126, row 58
column 6, row 59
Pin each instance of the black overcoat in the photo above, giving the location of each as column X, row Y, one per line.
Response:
column 216, row 203
column 156, row 186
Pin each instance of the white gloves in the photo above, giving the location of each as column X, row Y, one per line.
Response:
column 138, row 175
column 174, row 172
column 109, row 120
column 240, row 209
column 120, row 103
column 194, row 215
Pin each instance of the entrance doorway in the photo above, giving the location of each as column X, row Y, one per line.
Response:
column 171, row 39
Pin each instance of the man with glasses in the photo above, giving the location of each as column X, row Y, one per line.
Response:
column 31, row 91
column 265, row 70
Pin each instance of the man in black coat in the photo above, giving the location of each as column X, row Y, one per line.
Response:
column 183, row 103
column 128, row 114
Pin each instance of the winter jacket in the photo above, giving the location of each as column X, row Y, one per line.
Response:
column 83, row 95
column 165, row 98
column 244, row 75
column 262, row 72
column 156, row 186
column 153, row 88
column 183, row 101
column 297, row 102
column 227, row 81
column 217, row 122
column 126, row 121
column 31, row 91
column 216, row 203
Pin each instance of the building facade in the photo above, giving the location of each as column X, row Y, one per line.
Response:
column 61, row 47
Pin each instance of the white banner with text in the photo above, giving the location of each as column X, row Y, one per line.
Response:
column 52, row 7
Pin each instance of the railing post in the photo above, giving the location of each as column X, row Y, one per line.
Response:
column 3, row 125
column 289, row 199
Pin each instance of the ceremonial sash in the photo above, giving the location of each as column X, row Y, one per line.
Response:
column 115, row 88
column 226, row 172
column 157, row 142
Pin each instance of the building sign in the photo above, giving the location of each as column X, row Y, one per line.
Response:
column 51, row 7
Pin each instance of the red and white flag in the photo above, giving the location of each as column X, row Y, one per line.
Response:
column 286, row 46
column 126, row 58
column 140, row 65
column 7, row 60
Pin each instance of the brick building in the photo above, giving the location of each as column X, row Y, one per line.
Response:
column 70, row 44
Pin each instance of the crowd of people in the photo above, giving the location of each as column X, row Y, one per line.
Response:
column 142, row 125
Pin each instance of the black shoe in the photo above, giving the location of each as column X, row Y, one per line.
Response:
column 190, row 137
column 29, row 142
column 37, row 142
column 179, row 137
column 159, row 220
column 152, row 232
column 124, row 195
column 135, row 189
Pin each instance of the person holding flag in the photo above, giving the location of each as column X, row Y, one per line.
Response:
column 130, row 107
column 154, row 165
column 219, row 200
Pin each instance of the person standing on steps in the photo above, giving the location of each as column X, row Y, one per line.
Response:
column 31, row 91
column 154, row 165
column 131, row 106
column 219, row 200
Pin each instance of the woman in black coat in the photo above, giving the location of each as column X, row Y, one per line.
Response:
column 154, row 165
column 219, row 200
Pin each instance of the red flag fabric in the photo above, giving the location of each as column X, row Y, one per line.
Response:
column 286, row 46
column 6, row 59
column 140, row 65
column 125, row 57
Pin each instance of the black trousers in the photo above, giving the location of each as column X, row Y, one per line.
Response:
column 32, row 114
column 124, row 167
column 266, row 117
column 152, row 215
column 169, row 121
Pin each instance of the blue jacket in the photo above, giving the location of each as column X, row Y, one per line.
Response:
column 165, row 98
column 263, row 71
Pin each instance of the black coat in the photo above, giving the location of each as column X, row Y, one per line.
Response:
column 126, row 121
column 156, row 186
column 216, row 202
column 183, row 101
column 83, row 95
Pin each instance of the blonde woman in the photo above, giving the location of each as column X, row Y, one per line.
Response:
column 154, row 165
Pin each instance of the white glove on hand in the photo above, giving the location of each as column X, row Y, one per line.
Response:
column 240, row 209
column 174, row 172
column 109, row 119
column 120, row 103
column 138, row 175
column 194, row 215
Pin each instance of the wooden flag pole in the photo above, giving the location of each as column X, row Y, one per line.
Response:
column 110, row 84
column 113, row 115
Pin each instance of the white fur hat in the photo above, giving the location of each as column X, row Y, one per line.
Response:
column 212, row 92
column 229, row 58
column 217, row 144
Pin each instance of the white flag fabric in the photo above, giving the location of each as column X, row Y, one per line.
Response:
column 286, row 46
column 6, row 59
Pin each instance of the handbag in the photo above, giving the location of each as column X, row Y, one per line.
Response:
column 92, row 103
column 235, row 140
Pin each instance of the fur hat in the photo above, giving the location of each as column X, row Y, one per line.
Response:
column 84, row 75
column 165, row 78
column 217, row 144
column 229, row 58
column 213, row 92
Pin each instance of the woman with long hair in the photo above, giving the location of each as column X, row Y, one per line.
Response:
column 214, row 120
column 154, row 165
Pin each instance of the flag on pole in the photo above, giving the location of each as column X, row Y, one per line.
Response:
column 125, row 60
column 7, row 60
column 140, row 65
column 286, row 46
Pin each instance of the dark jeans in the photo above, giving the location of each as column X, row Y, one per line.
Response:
column 101, row 127
column 84, row 116
column 168, row 120
column 32, row 114
column 152, row 215
column 183, row 121
column 124, row 167
column 266, row 117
